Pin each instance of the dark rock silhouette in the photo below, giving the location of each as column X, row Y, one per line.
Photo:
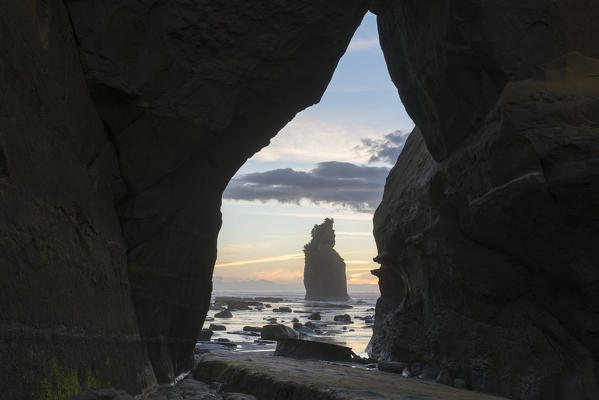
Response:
column 346, row 318
column 121, row 123
column 324, row 271
column 297, row 348
column 278, row 331
column 125, row 122
column 224, row 314
column 314, row 316
column 488, row 230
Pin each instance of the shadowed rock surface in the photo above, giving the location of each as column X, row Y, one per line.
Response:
column 488, row 229
column 324, row 270
column 66, row 317
column 121, row 123
column 271, row 377
column 297, row 348
column 188, row 91
column 113, row 159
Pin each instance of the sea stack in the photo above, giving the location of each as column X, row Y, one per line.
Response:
column 324, row 272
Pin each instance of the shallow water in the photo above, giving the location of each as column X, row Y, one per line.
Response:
column 362, row 305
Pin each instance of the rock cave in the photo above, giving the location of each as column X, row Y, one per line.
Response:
column 121, row 123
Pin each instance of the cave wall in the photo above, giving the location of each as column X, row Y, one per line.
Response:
column 488, row 229
column 66, row 317
column 190, row 90
column 121, row 124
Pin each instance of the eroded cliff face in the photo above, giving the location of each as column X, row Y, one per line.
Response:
column 190, row 90
column 117, row 140
column 122, row 123
column 66, row 317
column 324, row 269
column 488, row 229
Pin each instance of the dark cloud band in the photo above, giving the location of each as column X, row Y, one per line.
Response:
column 355, row 186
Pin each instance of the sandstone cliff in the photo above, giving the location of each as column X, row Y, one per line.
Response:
column 324, row 270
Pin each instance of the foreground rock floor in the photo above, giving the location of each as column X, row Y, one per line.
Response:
column 270, row 377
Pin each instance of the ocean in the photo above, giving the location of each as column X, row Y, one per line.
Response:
column 356, row 334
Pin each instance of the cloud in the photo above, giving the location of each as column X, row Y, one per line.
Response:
column 363, row 44
column 384, row 150
column 311, row 139
column 356, row 186
column 260, row 260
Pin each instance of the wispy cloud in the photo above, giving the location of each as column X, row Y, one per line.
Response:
column 284, row 257
column 362, row 279
column 385, row 150
column 363, row 44
column 313, row 138
column 356, row 186
column 363, row 269
column 231, row 250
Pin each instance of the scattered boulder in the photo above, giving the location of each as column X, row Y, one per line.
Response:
column 345, row 318
column 267, row 306
column 315, row 316
column 205, row 334
column 295, row 319
column 324, row 270
column 238, row 306
column 252, row 328
column 244, row 333
column 271, row 319
column 282, row 309
column 217, row 327
column 297, row 326
column 277, row 332
column 310, row 325
column 312, row 350
column 223, row 314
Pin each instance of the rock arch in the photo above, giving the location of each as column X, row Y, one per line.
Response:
column 128, row 118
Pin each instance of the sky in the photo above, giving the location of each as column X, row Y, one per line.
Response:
column 331, row 160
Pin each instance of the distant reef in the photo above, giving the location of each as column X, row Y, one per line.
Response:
column 324, row 272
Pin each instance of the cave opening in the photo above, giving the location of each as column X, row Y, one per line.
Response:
column 330, row 161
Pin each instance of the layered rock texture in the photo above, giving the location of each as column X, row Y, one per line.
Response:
column 488, row 230
column 122, row 121
column 324, row 270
